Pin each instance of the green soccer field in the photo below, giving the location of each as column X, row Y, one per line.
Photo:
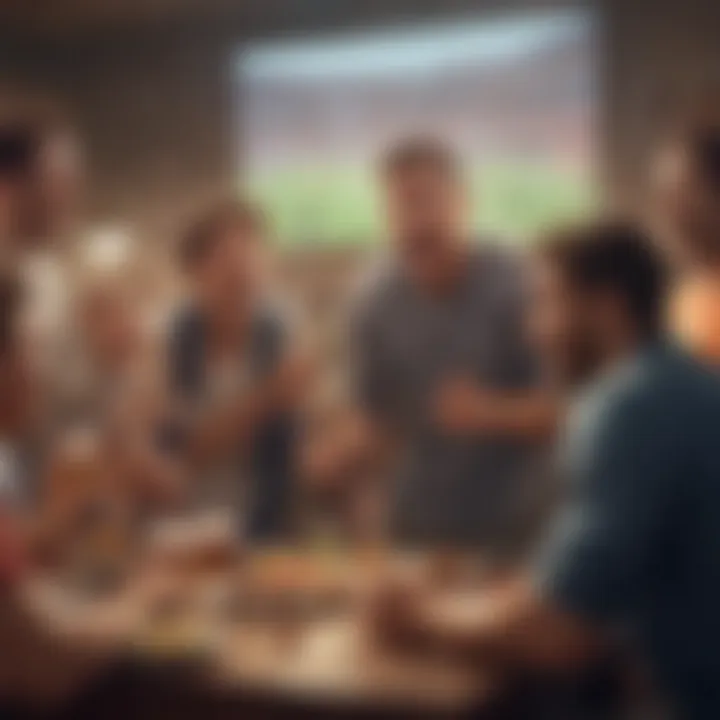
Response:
column 338, row 205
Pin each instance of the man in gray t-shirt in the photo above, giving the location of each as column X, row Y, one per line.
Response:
column 442, row 368
column 453, row 484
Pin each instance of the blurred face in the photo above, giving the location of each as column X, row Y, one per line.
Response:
column 426, row 215
column 53, row 189
column 230, row 276
column 567, row 326
column 685, row 209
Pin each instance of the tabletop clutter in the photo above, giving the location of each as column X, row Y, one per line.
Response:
column 288, row 622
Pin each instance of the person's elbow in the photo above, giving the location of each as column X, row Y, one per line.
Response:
column 558, row 643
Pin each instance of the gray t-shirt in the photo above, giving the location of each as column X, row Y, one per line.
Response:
column 466, row 491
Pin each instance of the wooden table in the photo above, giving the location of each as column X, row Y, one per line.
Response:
column 326, row 664
column 331, row 662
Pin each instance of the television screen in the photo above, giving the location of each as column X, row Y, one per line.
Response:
column 514, row 95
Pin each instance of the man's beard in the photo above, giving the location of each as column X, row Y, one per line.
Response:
column 431, row 259
column 580, row 362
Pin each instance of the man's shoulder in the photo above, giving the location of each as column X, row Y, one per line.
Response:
column 673, row 374
column 501, row 264
column 666, row 389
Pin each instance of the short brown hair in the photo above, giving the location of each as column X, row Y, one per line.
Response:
column 614, row 256
column 421, row 152
column 222, row 218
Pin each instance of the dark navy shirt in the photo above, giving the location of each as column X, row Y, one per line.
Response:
column 638, row 547
column 270, row 466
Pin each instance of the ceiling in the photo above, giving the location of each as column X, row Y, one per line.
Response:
column 72, row 19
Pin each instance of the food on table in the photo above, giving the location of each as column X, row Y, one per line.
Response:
column 182, row 637
column 283, row 587
column 195, row 545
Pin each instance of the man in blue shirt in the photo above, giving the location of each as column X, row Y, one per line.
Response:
column 636, row 552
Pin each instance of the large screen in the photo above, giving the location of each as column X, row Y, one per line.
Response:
column 514, row 95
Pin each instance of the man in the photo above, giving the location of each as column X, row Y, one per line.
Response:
column 444, row 378
column 49, row 660
column 686, row 182
column 234, row 369
column 39, row 667
column 40, row 177
column 40, row 190
column 634, row 557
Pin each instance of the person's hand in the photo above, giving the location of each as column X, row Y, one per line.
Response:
column 161, row 481
column 336, row 448
column 157, row 587
column 287, row 386
column 461, row 407
column 395, row 616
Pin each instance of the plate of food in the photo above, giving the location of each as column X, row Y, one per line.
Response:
column 283, row 585
column 195, row 545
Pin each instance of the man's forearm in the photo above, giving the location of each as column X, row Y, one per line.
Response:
column 226, row 427
column 511, row 628
column 477, row 635
column 233, row 425
column 353, row 446
column 464, row 408
column 530, row 416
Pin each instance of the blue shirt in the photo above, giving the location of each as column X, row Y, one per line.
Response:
column 638, row 547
